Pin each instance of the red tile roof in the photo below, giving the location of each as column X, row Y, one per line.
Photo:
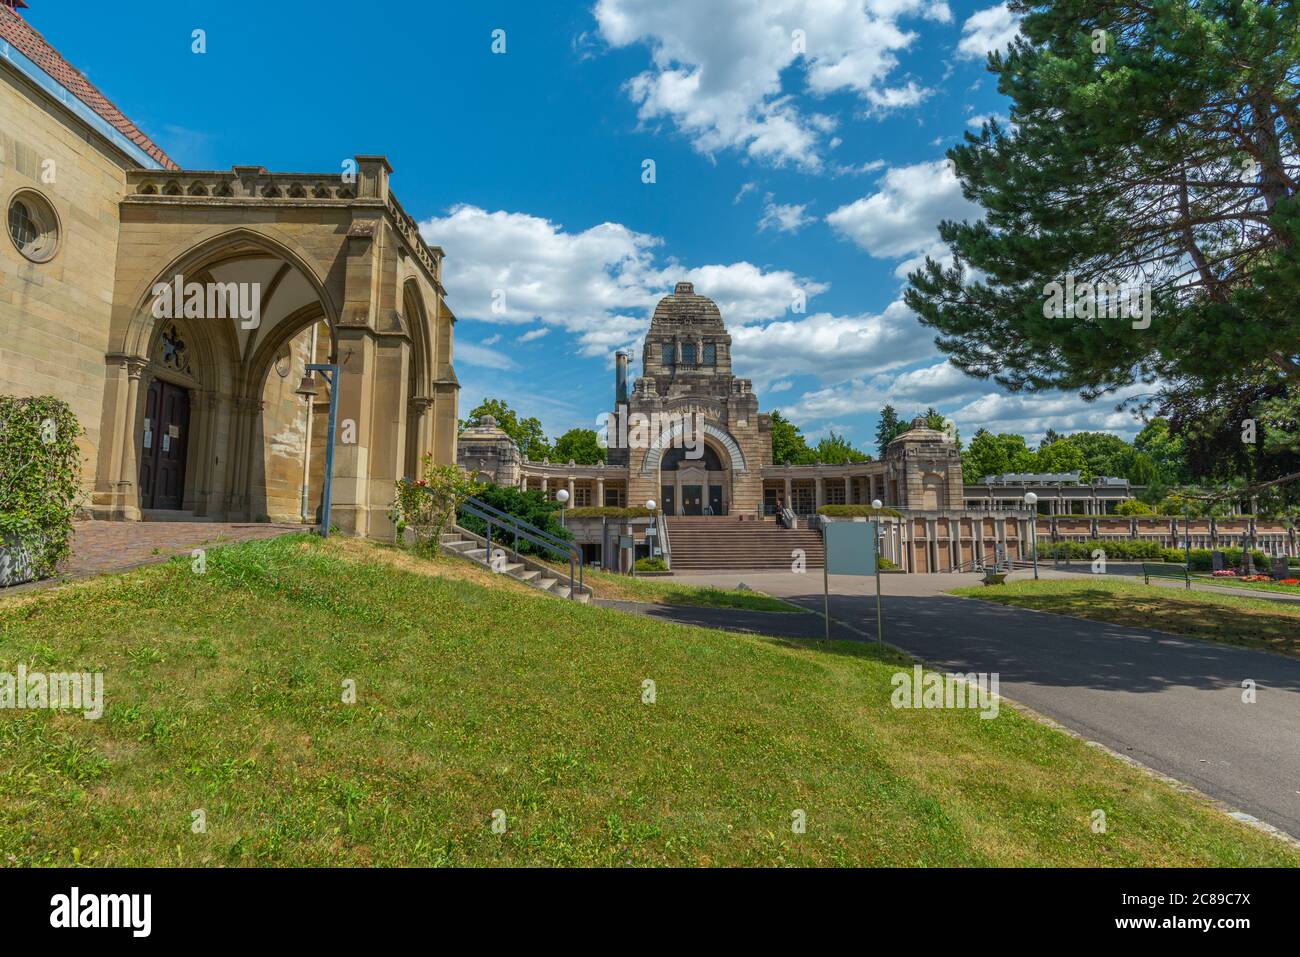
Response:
column 32, row 45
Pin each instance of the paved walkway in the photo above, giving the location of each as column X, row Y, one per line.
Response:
column 99, row 547
column 1172, row 703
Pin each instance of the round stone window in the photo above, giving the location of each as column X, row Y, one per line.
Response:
column 33, row 226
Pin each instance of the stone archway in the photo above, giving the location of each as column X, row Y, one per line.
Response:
column 703, row 486
column 244, row 307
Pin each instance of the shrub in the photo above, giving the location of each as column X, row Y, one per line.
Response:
column 531, row 507
column 1134, row 506
column 857, row 511
column 1120, row 549
column 39, row 468
column 607, row 511
column 651, row 565
column 886, row 565
column 1202, row 562
column 428, row 505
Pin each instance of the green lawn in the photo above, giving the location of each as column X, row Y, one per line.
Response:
column 224, row 694
column 1231, row 619
column 664, row 590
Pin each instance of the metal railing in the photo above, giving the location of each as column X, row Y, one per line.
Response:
column 512, row 525
column 661, row 528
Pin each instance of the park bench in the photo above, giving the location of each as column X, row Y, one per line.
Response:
column 1165, row 570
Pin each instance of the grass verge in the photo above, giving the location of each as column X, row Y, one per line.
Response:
column 224, row 693
column 665, row 591
column 1249, row 622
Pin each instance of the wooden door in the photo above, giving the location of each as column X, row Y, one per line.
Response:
column 162, row 457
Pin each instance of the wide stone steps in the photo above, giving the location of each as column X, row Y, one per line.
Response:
column 476, row 551
column 726, row 542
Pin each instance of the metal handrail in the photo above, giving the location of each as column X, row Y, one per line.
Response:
column 507, row 517
column 495, row 518
column 661, row 523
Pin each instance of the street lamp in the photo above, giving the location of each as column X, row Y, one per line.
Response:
column 562, row 496
column 307, row 389
column 1032, row 501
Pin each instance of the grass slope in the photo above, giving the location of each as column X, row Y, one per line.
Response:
column 1249, row 622
column 666, row 591
column 224, row 694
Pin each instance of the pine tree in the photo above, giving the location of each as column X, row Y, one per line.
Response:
column 1150, row 143
column 887, row 429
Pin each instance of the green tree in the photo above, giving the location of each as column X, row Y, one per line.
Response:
column 1060, row 456
column 788, row 443
column 527, row 433
column 1134, row 507
column 1050, row 436
column 1165, row 451
column 1150, row 144
column 581, row 445
column 990, row 454
column 838, row 450
column 1103, row 454
column 888, row 428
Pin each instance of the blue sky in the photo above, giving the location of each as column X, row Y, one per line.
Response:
column 797, row 146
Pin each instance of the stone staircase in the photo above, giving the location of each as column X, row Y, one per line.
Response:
column 703, row 542
column 528, row 570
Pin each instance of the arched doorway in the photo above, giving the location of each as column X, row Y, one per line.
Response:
column 695, row 486
column 207, row 422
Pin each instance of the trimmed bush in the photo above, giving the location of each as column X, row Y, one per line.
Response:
column 1121, row 549
column 607, row 511
column 651, row 565
column 857, row 511
column 39, row 468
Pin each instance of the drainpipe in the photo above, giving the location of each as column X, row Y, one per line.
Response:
column 306, row 451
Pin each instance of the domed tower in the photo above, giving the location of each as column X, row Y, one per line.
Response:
column 687, row 348
column 923, row 469
column 686, row 372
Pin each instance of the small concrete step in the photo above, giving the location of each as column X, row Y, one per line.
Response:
column 478, row 554
column 545, row 584
column 562, row 591
column 527, row 575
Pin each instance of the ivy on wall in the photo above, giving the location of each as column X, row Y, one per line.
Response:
column 39, row 470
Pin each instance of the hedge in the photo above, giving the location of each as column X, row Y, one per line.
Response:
column 607, row 511
column 1137, row 550
column 39, row 469
column 857, row 511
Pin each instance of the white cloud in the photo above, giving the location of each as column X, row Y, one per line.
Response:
column 533, row 334
column 1031, row 415
column 491, row 340
column 477, row 355
column 784, row 217
column 987, row 30
column 830, row 347
column 785, row 385
column 599, row 284
column 898, row 97
column 901, row 219
column 716, row 66
column 978, row 121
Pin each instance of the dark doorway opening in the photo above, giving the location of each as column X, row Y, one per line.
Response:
column 669, row 503
column 692, row 500
column 715, row 500
column 162, row 456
